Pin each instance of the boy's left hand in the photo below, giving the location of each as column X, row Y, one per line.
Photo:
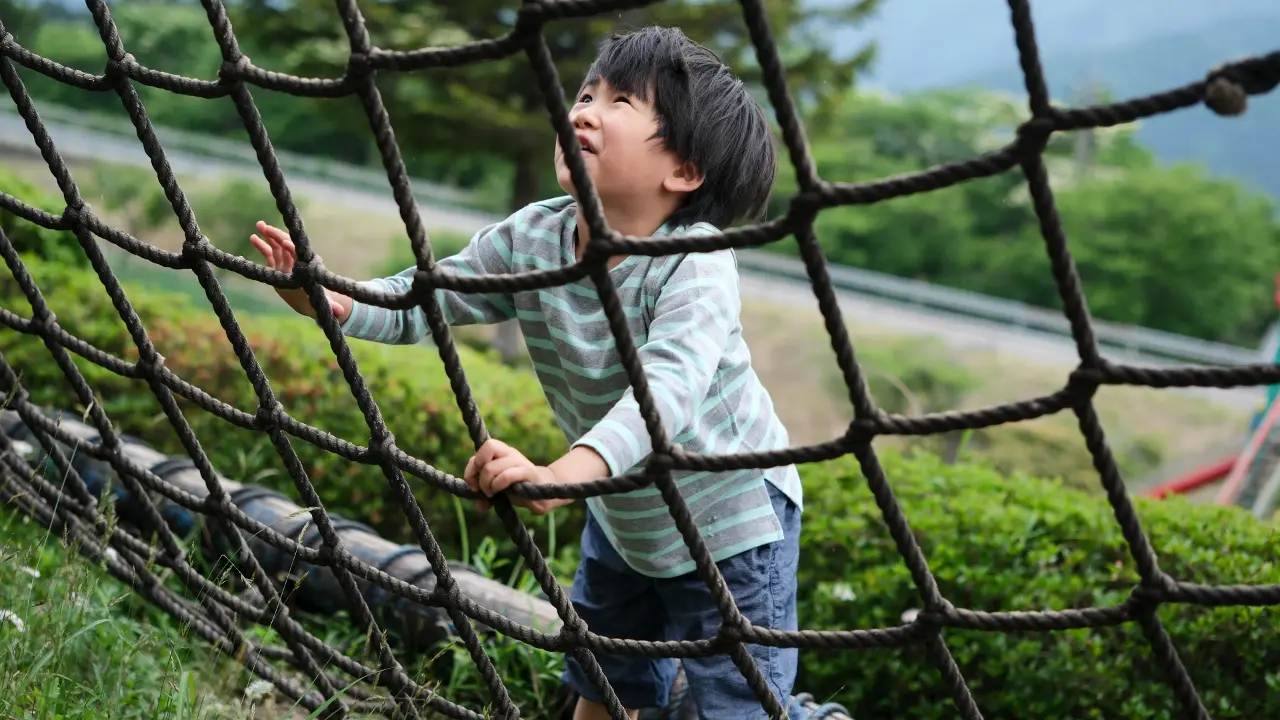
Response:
column 497, row 466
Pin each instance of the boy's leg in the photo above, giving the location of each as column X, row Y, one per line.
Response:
column 615, row 601
column 763, row 584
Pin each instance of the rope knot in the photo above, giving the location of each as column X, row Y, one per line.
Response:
column 359, row 65
column 149, row 365
column 118, row 68
column 73, row 215
column 1083, row 382
column 383, row 447
column 233, row 70
column 574, row 633
column 1033, row 135
column 46, row 323
column 270, row 417
column 1225, row 97
column 1228, row 87
column 806, row 205
column 307, row 271
column 423, row 283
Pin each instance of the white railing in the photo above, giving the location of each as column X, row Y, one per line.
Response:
column 1153, row 344
column 89, row 131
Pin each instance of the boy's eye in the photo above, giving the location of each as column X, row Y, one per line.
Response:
column 622, row 99
column 584, row 98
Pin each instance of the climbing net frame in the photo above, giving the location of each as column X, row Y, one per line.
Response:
column 1225, row 90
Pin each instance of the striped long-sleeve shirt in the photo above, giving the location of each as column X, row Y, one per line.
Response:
column 683, row 314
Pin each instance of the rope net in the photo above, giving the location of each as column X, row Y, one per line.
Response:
column 1224, row 90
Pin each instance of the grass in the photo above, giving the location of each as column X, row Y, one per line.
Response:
column 77, row 643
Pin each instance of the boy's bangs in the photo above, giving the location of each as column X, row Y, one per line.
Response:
column 630, row 64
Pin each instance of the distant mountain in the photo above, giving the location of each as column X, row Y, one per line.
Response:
column 1129, row 47
column 1245, row 148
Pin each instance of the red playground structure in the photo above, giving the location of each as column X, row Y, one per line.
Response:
column 1252, row 475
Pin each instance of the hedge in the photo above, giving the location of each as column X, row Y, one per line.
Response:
column 995, row 542
column 1000, row 543
column 408, row 383
column 28, row 237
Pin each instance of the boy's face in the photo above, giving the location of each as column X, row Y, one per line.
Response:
column 629, row 166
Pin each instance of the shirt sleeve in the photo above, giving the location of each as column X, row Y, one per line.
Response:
column 695, row 315
column 488, row 253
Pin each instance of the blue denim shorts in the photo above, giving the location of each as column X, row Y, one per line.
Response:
column 616, row 601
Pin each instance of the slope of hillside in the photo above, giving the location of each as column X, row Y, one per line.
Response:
column 1127, row 48
column 926, row 43
column 1246, row 148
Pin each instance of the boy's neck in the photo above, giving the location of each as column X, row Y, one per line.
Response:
column 626, row 223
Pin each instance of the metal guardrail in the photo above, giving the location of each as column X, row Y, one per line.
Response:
column 1154, row 344
column 1151, row 344
column 237, row 153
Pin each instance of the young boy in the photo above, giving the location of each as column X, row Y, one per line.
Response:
column 674, row 144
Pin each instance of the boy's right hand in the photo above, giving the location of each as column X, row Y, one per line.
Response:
column 277, row 249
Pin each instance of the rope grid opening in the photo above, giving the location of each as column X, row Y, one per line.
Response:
column 213, row 616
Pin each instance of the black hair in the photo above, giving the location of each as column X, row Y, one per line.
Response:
column 705, row 116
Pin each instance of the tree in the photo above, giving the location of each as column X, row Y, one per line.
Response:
column 496, row 109
column 1163, row 247
column 1159, row 246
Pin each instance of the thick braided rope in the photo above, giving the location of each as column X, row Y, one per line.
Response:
column 1224, row 90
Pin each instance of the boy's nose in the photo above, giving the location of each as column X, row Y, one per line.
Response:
column 584, row 118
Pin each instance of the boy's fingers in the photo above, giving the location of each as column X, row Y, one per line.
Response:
column 509, row 477
column 490, row 471
column 274, row 233
column 265, row 248
column 489, row 451
column 469, row 474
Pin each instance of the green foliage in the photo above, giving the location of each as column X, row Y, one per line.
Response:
column 1002, row 543
column 996, row 543
column 443, row 244
column 132, row 193
column 408, row 383
column 228, row 213
column 1167, row 248
column 74, row 641
column 909, row 377
column 56, row 245
column 496, row 108
column 1158, row 246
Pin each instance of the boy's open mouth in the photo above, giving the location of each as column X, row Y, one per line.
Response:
column 585, row 142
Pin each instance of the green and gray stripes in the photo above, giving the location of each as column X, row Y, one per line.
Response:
column 683, row 315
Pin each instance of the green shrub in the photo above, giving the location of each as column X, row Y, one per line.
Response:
column 994, row 542
column 1001, row 543
column 27, row 237
column 444, row 243
column 408, row 383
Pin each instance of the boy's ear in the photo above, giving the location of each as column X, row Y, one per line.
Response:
column 685, row 178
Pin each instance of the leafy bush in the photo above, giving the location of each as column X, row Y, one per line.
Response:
column 443, row 244
column 994, row 542
column 408, row 383
column 27, row 237
column 1000, row 543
